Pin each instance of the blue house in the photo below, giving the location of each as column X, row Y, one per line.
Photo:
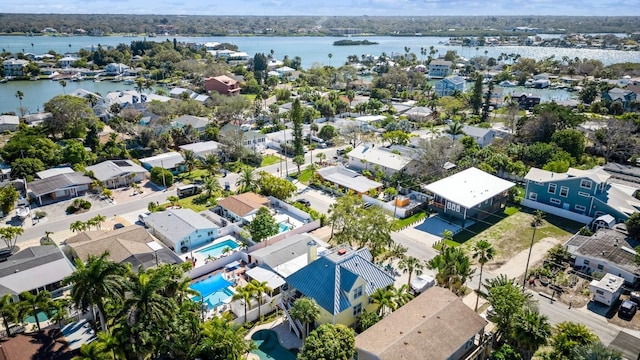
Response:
column 447, row 86
column 625, row 97
column 579, row 195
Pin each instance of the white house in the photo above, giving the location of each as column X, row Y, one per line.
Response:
column 67, row 61
column 483, row 137
column 117, row 173
column 9, row 122
column 14, row 67
column 172, row 161
column 607, row 290
column 439, row 68
column 181, row 229
column 116, row 69
column 368, row 157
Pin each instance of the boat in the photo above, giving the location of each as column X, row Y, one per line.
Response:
column 4, row 80
column 507, row 83
column 23, row 212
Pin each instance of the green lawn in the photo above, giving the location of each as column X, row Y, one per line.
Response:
column 251, row 97
column 195, row 175
column 196, row 203
column 401, row 223
column 305, row 176
column 269, row 160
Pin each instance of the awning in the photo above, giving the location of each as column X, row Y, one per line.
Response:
column 232, row 265
column 260, row 274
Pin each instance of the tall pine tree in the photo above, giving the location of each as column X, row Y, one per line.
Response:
column 297, row 117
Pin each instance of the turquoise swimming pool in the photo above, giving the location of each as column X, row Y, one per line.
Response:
column 268, row 347
column 215, row 250
column 282, row 227
column 214, row 290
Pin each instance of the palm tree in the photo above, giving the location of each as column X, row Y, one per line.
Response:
column 145, row 302
column 61, row 308
column 397, row 251
column 98, row 220
column 33, row 304
column 244, row 293
column 411, row 265
column 596, row 351
column 20, row 96
column 190, row 160
column 454, row 129
column 212, row 185
column 247, row 181
column 299, row 161
column 530, row 331
column 64, row 85
column 260, row 288
column 483, row 251
column 96, row 283
column 173, row 200
column 538, row 216
column 211, row 163
column 402, row 295
column 453, row 268
column 8, row 311
column 384, row 297
column 305, row 310
column 10, row 235
column 78, row 226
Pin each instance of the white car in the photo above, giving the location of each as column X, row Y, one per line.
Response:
column 143, row 216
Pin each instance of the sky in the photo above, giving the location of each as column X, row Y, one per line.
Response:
column 328, row 7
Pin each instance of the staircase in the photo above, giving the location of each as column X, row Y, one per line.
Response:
column 293, row 324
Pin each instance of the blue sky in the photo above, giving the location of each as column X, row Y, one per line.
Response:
column 327, row 7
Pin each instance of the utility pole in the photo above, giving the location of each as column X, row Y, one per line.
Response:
column 164, row 181
column 526, row 269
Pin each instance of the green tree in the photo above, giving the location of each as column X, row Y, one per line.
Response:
column 271, row 185
column 306, row 311
column 366, row 320
column 508, row 303
column 454, row 130
column 263, row 225
column 190, row 160
column 633, row 225
column 410, row 265
column 260, row 288
column 70, row 116
column 483, row 252
column 569, row 337
column 211, row 185
column 385, row 299
column 8, row 311
column 453, row 268
column 244, row 293
column 10, row 235
column 8, row 197
column 596, row 351
column 20, row 96
column 329, row 342
column 299, row 161
column 402, row 295
column 97, row 283
column 161, row 176
column 246, row 181
column 476, row 95
column 396, row 137
column 222, row 340
column 530, row 331
column 505, row 352
column 571, row 141
column 97, row 221
column 78, row 226
column 296, row 116
column 211, row 163
column 32, row 304
column 26, row 168
column 327, row 133
column 74, row 152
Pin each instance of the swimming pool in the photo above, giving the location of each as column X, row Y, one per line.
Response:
column 282, row 227
column 216, row 249
column 214, row 290
column 268, row 347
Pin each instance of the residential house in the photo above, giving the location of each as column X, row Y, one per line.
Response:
column 172, row 161
column 277, row 139
column 9, row 122
column 439, row 68
column 419, row 113
column 67, row 61
column 623, row 174
column 251, row 139
column 579, row 195
column 117, row 173
column 607, row 290
column 238, row 207
column 526, row 102
column 341, row 282
column 59, row 187
column 177, row 93
column 223, row 84
column 14, row 67
column 368, row 157
column 606, row 251
column 45, row 174
column 347, row 179
column 130, row 245
column 447, row 86
column 34, row 269
column 196, row 122
column 115, row 69
column 289, row 255
column 181, row 230
column 37, row 118
column 203, row 148
column 434, row 325
column 624, row 96
column 469, row 195
column 483, row 136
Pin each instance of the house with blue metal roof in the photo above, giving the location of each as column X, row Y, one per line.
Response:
column 341, row 282
column 447, row 86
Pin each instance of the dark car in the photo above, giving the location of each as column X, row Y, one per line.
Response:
column 118, row 226
column 627, row 309
column 304, row 202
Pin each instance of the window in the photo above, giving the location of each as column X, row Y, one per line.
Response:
column 600, row 267
column 586, row 262
column 555, row 201
column 357, row 309
column 564, row 191
column 533, row 196
column 582, row 193
column 552, row 188
column 357, row 292
column 580, row 208
column 599, row 292
column 585, row 184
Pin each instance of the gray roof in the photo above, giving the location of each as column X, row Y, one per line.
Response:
column 9, row 119
column 608, row 245
column 284, row 250
column 475, row 131
column 168, row 160
column 377, row 156
column 440, row 62
column 539, row 175
column 54, row 171
column 114, row 168
column 348, row 179
column 32, row 268
column 195, row 121
column 57, row 182
column 177, row 224
column 202, row 148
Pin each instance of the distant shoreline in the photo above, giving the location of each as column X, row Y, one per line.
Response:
column 354, row 42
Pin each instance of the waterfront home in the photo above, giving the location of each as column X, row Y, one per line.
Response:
column 129, row 245
column 526, row 102
column 181, row 230
column 9, row 122
column 117, row 173
column 624, row 96
column 177, row 93
column 172, row 161
column 447, row 86
column 436, row 323
column 116, row 69
column 369, row 157
column 606, row 251
column 341, row 282
column 34, row 269
column 67, row 61
column 59, row 187
column 579, row 195
column 469, row 195
column 14, row 67
column 222, row 84
column 439, row 68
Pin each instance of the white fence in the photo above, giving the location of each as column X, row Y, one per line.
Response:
column 216, row 264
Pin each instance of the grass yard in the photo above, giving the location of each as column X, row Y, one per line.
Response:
column 510, row 232
column 196, row 203
column 269, row 160
column 250, row 97
column 401, row 223
column 196, row 175
column 305, row 176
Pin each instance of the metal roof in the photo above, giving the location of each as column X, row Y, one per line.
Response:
column 57, row 182
column 114, row 168
column 168, row 160
column 284, row 250
column 348, row 179
column 33, row 268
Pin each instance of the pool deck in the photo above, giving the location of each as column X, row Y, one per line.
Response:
column 286, row 338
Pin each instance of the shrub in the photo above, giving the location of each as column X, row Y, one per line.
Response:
column 71, row 209
column 86, row 205
column 40, row 214
column 158, row 178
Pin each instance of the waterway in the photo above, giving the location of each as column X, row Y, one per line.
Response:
column 312, row 51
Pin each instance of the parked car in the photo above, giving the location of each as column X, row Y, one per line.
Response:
column 304, row 202
column 118, row 226
column 143, row 216
column 627, row 309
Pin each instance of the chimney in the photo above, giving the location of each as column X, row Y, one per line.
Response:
column 312, row 251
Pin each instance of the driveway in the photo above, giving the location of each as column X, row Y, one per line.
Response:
column 318, row 199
